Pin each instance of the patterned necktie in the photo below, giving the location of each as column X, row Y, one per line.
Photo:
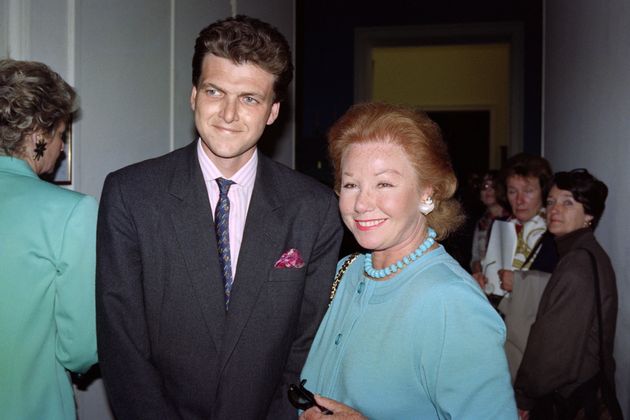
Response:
column 221, row 226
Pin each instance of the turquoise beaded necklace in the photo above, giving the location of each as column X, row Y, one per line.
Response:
column 400, row 264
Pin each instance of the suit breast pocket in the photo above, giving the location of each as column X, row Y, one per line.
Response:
column 287, row 274
column 284, row 289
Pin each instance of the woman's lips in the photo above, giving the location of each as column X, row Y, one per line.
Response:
column 368, row 224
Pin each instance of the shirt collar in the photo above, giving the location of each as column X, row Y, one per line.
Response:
column 245, row 176
column 537, row 220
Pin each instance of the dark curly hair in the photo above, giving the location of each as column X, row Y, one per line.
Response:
column 33, row 98
column 586, row 189
column 243, row 39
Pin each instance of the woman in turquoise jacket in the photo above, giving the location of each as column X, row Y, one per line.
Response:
column 47, row 251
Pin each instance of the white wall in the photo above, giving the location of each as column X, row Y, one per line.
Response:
column 131, row 64
column 4, row 28
column 587, row 124
column 123, row 78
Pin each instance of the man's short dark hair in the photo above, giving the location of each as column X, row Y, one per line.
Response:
column 243, row 39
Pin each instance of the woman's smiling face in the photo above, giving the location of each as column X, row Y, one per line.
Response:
column 379, row 197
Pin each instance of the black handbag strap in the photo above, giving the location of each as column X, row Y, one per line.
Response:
column 340, row 273
column 608, row 388
column 535, row 248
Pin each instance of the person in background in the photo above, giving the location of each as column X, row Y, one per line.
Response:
column 526, row 181
column 570, row 349
column 409, row 335
column 47, row 250
column 205, row 317
column 494, row 210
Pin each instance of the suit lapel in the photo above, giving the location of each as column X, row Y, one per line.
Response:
column 191, row 215
column 258, row 250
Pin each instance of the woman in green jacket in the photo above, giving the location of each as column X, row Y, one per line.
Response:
column 47, row 251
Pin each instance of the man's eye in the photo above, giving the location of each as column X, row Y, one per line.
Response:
column 250, row 100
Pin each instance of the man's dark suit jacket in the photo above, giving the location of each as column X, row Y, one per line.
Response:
column 167, row 347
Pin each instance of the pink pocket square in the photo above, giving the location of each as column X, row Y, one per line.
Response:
column 290, row 259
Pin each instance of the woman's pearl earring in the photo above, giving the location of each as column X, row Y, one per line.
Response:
column 427, row 206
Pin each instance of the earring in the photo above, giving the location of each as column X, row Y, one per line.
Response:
column 427, row 206
column 40, row 148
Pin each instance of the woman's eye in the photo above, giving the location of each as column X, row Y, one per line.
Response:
column 348, row 185
column 384, row 185
column 567, row 203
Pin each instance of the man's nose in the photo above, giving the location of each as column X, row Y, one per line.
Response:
column 229, row 110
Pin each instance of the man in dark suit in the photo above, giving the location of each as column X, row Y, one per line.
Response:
column 212, row 317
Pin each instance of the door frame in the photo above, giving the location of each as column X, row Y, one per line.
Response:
column 365, row 39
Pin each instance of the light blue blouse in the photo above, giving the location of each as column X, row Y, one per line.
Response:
column 425, row 344
column 47, row 314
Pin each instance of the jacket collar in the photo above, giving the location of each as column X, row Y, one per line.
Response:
column 568, row 242
column 16, row 166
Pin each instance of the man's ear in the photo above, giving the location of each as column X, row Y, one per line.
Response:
column 193, row 97
column 426, row 193
column 275, row 110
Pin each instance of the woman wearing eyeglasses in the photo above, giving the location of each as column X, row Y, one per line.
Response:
column 409, row 334
column 494, row 210
column 570, row 345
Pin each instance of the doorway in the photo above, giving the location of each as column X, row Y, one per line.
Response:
column 447, row 67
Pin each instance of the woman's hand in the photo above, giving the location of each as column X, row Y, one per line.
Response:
column 340, row 411
column 476, row 266
column 507, row 279
column 481, row 279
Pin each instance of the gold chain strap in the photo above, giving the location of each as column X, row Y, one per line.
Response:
column 340, row 273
